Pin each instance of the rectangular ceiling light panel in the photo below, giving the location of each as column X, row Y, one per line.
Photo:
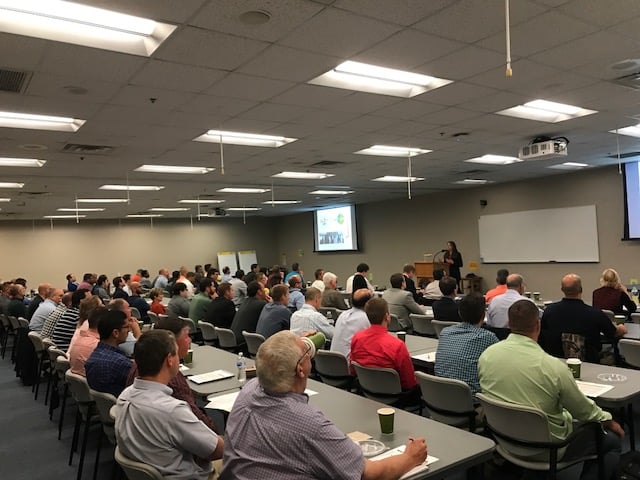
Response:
column 392, row 151
column 247, row 139
column 21, row 162
column 79, row 24
column 546, row 111
column 363, row 77
column 173, row 169
column 39, row 122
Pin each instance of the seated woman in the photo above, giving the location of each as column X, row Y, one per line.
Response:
column 156, row 295
column 612, row 295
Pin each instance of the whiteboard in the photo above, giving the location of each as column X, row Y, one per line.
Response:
column 246, row 258
column 548, row 235
column 227, row 259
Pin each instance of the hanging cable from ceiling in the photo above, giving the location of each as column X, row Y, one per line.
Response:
column 409, row 175
column 508, row 72
column 77, row 216
column 128, row 193
column 273, row 196
column 198, row 198
column 221, row 156
column 618, row 145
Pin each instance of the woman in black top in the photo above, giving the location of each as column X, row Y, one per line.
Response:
column 453, row 258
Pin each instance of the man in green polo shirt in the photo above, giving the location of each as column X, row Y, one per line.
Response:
column 518, row 371
column 201, row 301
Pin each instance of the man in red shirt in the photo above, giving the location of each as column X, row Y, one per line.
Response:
column 376, row 347
column 501, row 287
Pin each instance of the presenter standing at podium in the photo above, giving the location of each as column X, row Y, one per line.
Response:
column 453, row 258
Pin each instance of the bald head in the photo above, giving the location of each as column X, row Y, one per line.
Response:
column 515, row 282
column 571, row 286
column 43, row 289
column 360, row 298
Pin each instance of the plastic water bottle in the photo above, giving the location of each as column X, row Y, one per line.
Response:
column 242, row 373
column 634, row 294
column 329, row 316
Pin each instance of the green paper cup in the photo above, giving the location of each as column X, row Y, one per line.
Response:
column 574, row 365
column 188, row 358
column 386, row 416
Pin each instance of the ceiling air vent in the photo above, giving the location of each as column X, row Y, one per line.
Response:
column 80, row 149
column 14, row 81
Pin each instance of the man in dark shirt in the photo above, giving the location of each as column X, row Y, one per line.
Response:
column 136, row 301
column 246, row 317
column 107, row 368
column 275, row 316
column 16, row 307
column 409, row 272
column 572, row 316
column 221, row 310
column 446, row 309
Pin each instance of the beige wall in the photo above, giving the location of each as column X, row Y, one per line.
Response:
column 396, row 232
column 39, row 253
column 391, row 233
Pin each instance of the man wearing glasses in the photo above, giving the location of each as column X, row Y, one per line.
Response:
column 108, row 367
column 305, row 444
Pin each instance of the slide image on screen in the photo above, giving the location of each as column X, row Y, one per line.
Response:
column 335, row 229
column 632, row 194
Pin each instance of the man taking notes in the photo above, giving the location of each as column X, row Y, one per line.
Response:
column 300, row 441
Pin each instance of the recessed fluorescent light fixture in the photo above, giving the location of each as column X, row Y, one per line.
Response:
column 391, row 151
column 168, row 209
column 240, row 138
column 396, row 179
column 331, row 192
column 101, row 200
column 131, row 188
column 78, row 24
column 80, row 209
column 5, row 199
column 281, row 202
column 569, row 166
column 243, row 209
column 375, row 79
column 21, row 162
column 11, row 185
column 38, row 122
column 173, row 169
column 303, row 175
column 201, row 201
column 144, row 215
column 631, row 131
column 494, row 160
column 65, row 216
column 472, row 181
column 243, row 190
column 546, row 111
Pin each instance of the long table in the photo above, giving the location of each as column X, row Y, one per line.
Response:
column 620, row 396
column 206, row 359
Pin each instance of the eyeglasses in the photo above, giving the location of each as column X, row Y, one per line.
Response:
column 306, row 352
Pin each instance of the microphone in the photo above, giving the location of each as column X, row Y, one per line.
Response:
column 443, row 250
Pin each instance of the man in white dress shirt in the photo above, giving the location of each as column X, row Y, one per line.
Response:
column 351, row 321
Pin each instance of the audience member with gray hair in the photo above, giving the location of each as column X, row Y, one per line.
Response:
column 303, row 442
column 498, row 311
column 331, row 297
column 308, row 318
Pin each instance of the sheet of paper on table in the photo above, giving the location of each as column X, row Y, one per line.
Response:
column 225, row 401
column 423, row 467
column 210, row 376
column 593, row 389
column 426, row 357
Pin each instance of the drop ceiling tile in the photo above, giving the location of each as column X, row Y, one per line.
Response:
column 311, row 95
column 176, row 76
column 469, row 20
column 358, row 102
column 403, row 12
column 409, row 128
column 218, row 105
column 463, row 63
column 19, row 52
column 275, row 112
column 325, row 118
column 43, row 84
column 449, row 116
column 409, row 109
column 495, row 103
column 289, row 64
column 339, row 33
column 203, row 48
column 601, row 13
column 527, row 75
column 455, row 93
column 159, row 10
column 368, row 123
column 399, row 51
column 249, row 87
column 550, row 30
column 285, row 16
column 152, row 98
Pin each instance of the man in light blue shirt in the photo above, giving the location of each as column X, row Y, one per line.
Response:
column 54, row 297
column 308, row 318
column 351, row 321
column 497, row 314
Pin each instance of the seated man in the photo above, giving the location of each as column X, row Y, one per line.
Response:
column 374, row 347
column 51, row 321
column 460, row 346
column 134, row 329
column 54, row 297
column 201, row 301
column 409, row 273
column 221, row 310
column 446, row 308
column 318, row 283
column 518, row 371
column 501, row 287
column 246, row 318
column 239, row 288
column 308, row 318
column 155, row 428
column 350, row 322
column 136, row 301
column 296, row 297
column 401, row 302
column 330, row 296
column 275, row 315
column 571, row 316
column 432, row 290
column 497, row 313
column 178, row 384
column 305, row 444
column 66, row 326
column 107, row 367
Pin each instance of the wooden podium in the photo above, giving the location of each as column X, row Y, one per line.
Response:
column 424, row 270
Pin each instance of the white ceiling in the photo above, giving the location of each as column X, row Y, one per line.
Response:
column 216, row 72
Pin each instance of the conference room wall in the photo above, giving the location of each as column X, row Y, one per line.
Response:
column 401, row 231
column 40, row 254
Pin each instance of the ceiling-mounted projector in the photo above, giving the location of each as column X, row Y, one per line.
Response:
column 542, row 148
column 218, row 212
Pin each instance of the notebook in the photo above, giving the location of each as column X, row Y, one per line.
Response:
column 423, row 467
column 210, row 376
